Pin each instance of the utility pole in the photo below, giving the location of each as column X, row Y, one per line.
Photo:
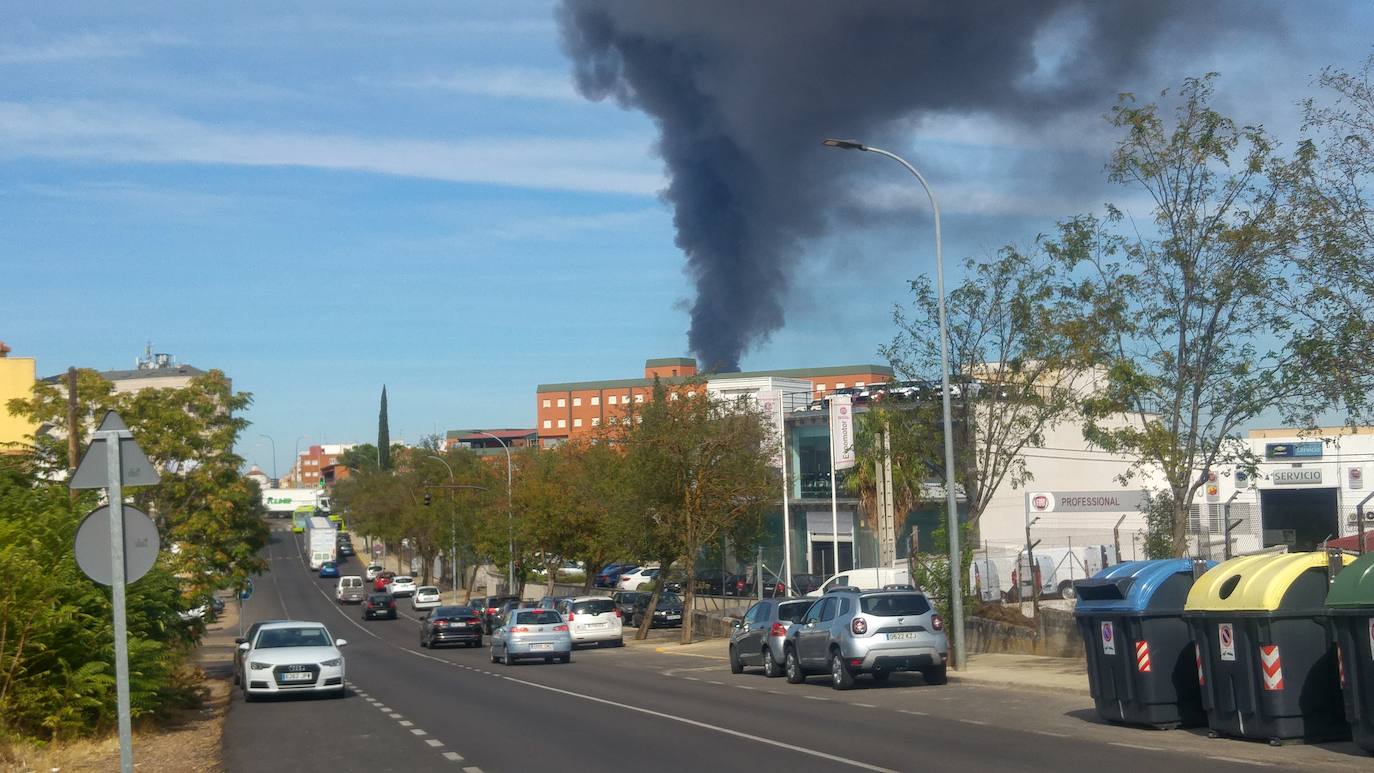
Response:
column 73, row 443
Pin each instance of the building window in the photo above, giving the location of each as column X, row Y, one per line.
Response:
column 672, row 396
column 562, row 423
column 691, row 394
column 577, row 402
column 639, row 419
column 820, row 387
column 626, row 399
column 562, row 403
column 596, row 400
column 840, row 385
column 596, row 421
column 577, row 422
column 639, row 398
column 548, row 404
column 860, row 384
column 548, row 424
column 611, row 399
column 613, row 420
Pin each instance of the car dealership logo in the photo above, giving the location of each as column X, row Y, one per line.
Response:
column 1042, row 502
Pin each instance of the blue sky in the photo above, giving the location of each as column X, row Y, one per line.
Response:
column 323, row 198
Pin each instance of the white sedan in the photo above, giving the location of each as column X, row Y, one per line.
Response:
column 402, row 585
column 292, row 657
column 426, row 597
column 641, row 576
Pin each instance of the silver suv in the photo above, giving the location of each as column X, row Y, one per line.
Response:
column 848, row 632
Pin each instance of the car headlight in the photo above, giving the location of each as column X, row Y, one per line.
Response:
column 256, row 666
column 334, row 663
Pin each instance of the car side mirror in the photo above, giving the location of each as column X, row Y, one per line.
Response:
column 812, row 620
column 340, row 642
column 735, row 623
column 243, row 646
column 240, row 640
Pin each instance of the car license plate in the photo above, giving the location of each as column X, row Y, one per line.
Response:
column 597, row 625
column 542, row 646
column 902, row 635
column 674, row 617
column 298, row 676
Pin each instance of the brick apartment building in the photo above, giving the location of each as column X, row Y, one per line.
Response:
column 315, row 462
column 576, row 409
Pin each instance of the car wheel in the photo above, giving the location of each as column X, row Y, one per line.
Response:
column 881, row 677
column 935, row 675
column 736, row 667
column 507, row 659
column 248, row 697
column 793, row 667
column 841, row 678
column 620, row 642
column 494, row 659
column 236, row 677
column 1066, row 591
column 770, row 666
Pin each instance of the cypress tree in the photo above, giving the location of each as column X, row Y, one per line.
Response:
column 383, row 437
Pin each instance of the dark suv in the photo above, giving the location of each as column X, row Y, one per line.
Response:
column 848, row 632
column 490, row 608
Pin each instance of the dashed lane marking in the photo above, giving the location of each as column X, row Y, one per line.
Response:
column 434, row 742
column 871, row 706
column 815, row 698
column 1141, row 747
column 745, row 687
column 914, row 713
column 396, row 716
column 712, row 681
column 418, row 731
column 1050, row 734
column 453, row 756
column 981, row 722
column 472, row 769
column 1239, row 761
column 406, row 723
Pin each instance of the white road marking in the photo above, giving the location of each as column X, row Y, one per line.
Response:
column 383, row 708
column 712, row 681
column 775, row 692
column 815, row 698
column 1050, row 734
column 913, row 713
column 406, row 723
column 691, row 678
column 396, row 716
column 418, row 731
column 471, row 769
column 981, row 722
column 724, row 731
column 453, row 756
column 871, row 706
column 433, row 742
column 746, row 687
column 1239, row 761
column 1132, row 746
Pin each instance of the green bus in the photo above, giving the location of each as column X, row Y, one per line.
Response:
column 300, row 517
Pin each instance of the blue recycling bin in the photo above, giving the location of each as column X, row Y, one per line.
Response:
column 1142, row 668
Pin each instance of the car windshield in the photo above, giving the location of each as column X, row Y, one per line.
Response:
column 453, row 612
column 895, row 604
column 793, row 611
column 428, row 589
column 537, row 617
column 593, row 607
column 379, row 598
column 670, row 600
column 405, row 579
column 293, row 637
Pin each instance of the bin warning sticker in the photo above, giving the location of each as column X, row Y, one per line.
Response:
column 1227, row 638
column 1371, row 637
column 1108, row 639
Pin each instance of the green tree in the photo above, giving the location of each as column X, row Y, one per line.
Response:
column 383, row 436
column 1184, row 316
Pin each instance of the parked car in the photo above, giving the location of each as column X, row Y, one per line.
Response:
column 490, row 608
column 531, row 633
column 450, row 624
column 758, row 639
column 379, row 605
column 593, row 620
column 773, row 586
column 711, row 582
column 329, row 569
column 247, row 636
column 867, row 632
column 402, row 585
column 872, row 578
column 383, row 580
column 632, row 579
column 426, row 597
column 372, row 571
column 610, row 575
column 667, row 613
column 625, row 601
column 350, row 590
column 551, row 602
column 292, row 657
column 803, row 584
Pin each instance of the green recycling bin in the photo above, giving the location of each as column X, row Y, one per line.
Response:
column 1351, row 606
column 1140, row 651
column 1266, row 663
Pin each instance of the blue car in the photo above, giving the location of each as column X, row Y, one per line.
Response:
column 329, row 569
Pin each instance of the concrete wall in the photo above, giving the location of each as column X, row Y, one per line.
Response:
column 1057, row 636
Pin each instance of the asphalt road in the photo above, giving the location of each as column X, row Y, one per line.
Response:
column 410, row 709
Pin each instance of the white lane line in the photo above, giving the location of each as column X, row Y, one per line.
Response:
column 712, row 728
column 712, row 681
column 418, row 731
column 453, row 756
column 917, row 713
column 746, row 687
column 433, row 742
column 981, row 722
column 775, row 692
column 1239, row 761
column 1050, row 734
column 384, row 709
column 691, row 678
column 1132, row 746
column 396, row 716
column 472, row 769
column 815, row 698
column 406, row 723
column 871, row 706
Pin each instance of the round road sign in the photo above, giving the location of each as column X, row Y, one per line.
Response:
column 93, row 545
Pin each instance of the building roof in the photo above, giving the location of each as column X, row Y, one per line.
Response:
column 504, row 434
column 130, row 375
column 661, row 362
column 838, row 370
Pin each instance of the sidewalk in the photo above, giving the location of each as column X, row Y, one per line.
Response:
column 1022, row 672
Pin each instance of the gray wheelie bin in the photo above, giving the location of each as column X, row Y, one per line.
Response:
column 1265, row 656
column 1141, row 666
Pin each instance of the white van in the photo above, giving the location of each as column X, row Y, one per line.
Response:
column 866, row 579
column 350, row 590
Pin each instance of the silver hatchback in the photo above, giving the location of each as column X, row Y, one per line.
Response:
column 847, row 633
column 757, row 640
column 531, row 633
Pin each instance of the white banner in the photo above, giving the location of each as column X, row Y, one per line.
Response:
column 842, row 431
column 770, row 403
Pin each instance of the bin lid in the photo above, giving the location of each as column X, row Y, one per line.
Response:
column 1252, row 583
column 1354, row 586
column 1127, row 587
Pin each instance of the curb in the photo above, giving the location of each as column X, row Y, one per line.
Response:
column 955, row 677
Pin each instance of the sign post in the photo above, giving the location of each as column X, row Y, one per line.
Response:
column 123, row 463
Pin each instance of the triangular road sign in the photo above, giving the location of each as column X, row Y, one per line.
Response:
column 93, row 472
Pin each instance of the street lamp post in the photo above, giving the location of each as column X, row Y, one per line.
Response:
column 510, row 527
column 274, row 456
column 453, row 528
column 956, row 607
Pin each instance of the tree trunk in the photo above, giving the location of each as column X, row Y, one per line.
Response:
column 1180, row 525
column 552, row 570
column 689, row 602
column 472, row 580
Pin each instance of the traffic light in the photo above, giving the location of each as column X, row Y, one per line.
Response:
column 428, row 498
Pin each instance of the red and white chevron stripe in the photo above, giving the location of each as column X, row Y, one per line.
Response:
column 1197, row 651
column 1272, row 666
column 1340, row 663
column 1142, row 657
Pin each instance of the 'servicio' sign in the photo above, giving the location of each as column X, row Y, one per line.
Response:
column 1296, row 477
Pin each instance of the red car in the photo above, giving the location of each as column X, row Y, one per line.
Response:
column 384, row 579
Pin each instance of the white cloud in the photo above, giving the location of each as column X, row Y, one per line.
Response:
column 85, row 46
column 503, row 82
column 111, row 133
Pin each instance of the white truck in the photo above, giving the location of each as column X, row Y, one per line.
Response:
column 321, row 541
column 282, row 502
column 997, row 577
